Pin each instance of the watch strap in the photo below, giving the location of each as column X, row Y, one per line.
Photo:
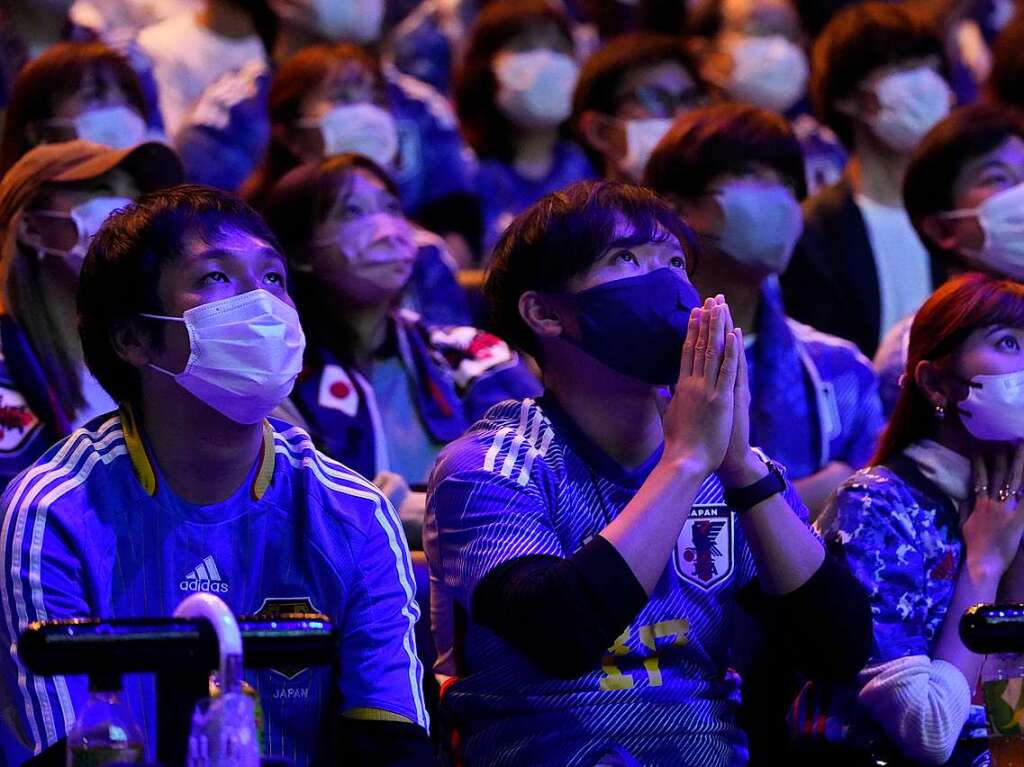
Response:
column 742, row 499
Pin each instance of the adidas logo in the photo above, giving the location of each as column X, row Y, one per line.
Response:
column 205, row 578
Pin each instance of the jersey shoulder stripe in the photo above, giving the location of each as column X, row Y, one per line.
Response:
column 299, row 445
column 516, row 445
column 64, row 468
column 335, row 477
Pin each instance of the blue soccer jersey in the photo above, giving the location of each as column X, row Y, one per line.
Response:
column 92, row 529
column 524, row 481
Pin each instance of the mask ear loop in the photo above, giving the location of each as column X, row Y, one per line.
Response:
column 34, row 242
column 157, row 368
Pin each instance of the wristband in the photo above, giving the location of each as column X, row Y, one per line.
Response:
column 743, row 499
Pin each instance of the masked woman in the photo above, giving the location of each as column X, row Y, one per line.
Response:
column 932, row 527
column 383, row 390
column 52, row 203
column 513, row 95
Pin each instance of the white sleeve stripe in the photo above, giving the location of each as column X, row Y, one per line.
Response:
column 520, row 437
column 532, row 454
column 19, row 510
column 495, row 448
column 75, row 446
column 403, row 565
column 35, row 558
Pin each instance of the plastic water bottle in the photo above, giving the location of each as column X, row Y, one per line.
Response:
column 224, row 732
column 1002, row 682
column 104, row 732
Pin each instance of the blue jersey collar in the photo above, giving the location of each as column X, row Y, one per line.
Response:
column 592, row 455
column 144, row 466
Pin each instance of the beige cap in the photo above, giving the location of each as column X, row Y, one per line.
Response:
column 153, row 165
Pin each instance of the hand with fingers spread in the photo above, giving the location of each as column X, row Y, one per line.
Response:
column 698, row 421
column 992, row 532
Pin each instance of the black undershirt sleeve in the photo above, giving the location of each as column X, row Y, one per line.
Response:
column 824, row 626
column 562, row 614
column 363, row 743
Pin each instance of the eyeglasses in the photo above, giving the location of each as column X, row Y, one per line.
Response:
column 661, row 102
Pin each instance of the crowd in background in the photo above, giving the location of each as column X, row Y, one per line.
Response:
column 501, row 223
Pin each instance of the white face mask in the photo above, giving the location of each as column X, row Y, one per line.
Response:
column 245, row 354
column 994, row 408
column 118, row 127
column 87, row 218
column 364, row 128
column 911, row 103
column 357, row 21
column 535, row 87
column 1001, row 218
column 762, row 224
column 641, row 138
column 768, row 72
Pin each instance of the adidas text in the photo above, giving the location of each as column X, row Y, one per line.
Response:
column 217, row 587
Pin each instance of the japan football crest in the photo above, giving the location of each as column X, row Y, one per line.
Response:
column 704, row 551
column 274, row 608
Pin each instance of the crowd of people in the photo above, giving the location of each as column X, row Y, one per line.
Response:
column 676, row 349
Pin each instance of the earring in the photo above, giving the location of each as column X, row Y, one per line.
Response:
column 940, row 412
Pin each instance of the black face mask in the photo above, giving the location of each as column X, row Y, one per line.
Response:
column 637, row 325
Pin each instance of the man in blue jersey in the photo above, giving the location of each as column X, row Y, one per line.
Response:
column 186, row 322
column 589, row 548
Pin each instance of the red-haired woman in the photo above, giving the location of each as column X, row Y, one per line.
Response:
column 934, row 526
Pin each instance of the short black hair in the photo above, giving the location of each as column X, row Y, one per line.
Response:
column 562, row 235
column 604, row 72
column 719, row 140
column 964, row 135
column 120, row 277
column 857, row 41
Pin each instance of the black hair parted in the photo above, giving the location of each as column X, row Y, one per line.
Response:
column 120, row 276
column 562, row 235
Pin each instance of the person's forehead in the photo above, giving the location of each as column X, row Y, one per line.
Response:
column 772, row 13
column 228, row 239
column 1009, row 153
column 897, row 67
column 540, row 33
column 981, row 336
column 669, row 74
column 363, row 182
column 358, row 184
column 660, row 238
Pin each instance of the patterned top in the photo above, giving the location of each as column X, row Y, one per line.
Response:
column 901, row 538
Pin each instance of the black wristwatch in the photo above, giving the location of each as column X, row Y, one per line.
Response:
column 742, row 499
